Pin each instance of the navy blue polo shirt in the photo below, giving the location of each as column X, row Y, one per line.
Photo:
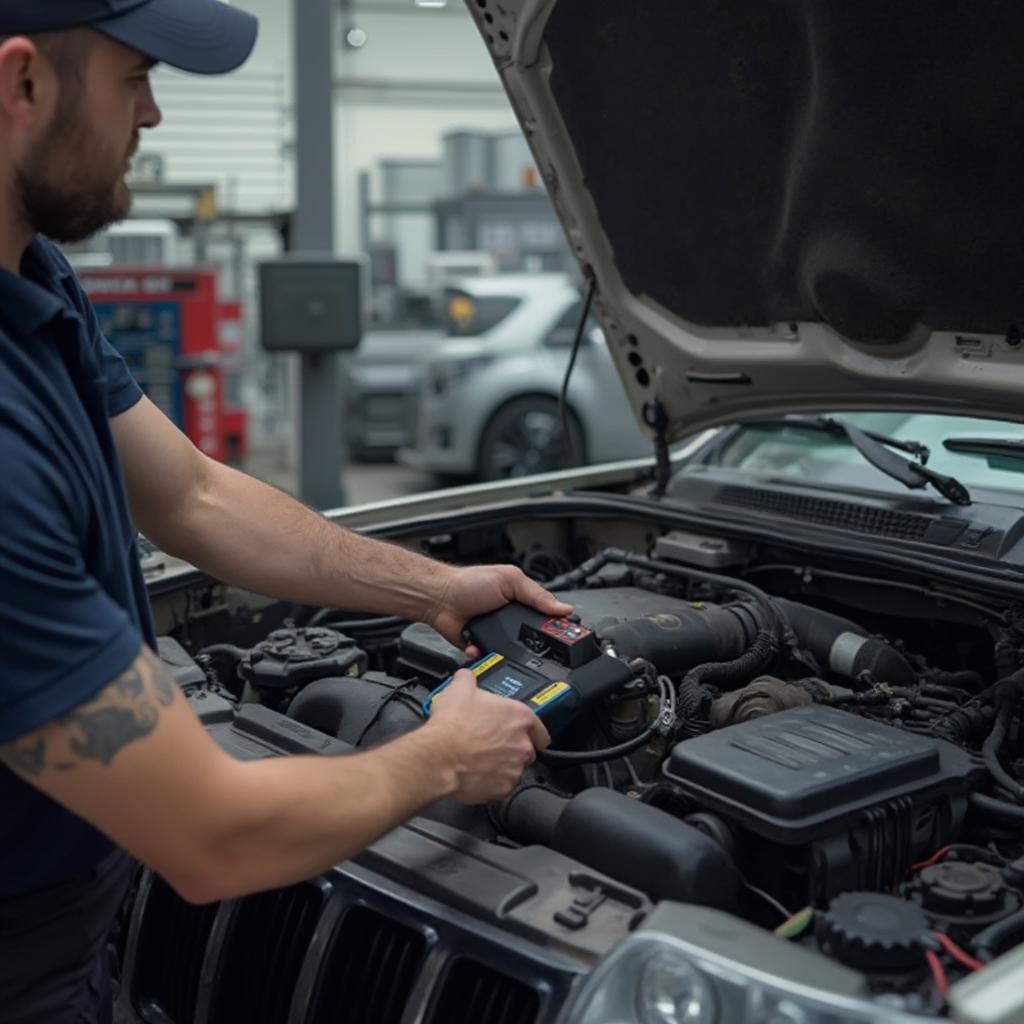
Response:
column 73, row 607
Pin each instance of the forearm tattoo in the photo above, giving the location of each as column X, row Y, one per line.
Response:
column 126, row 710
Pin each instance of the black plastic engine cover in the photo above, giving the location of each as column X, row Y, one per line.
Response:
column 814, row 771
column 290, row 657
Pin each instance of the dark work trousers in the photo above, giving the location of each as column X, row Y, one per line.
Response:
column 53, row 958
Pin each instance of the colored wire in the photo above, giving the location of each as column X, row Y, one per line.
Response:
column 933, row 859
column 768, row 898
column 796, row 925
column 938, row 972
column 965, row 959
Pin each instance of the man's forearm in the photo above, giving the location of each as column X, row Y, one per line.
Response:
column 292, row 818
column 249, row 534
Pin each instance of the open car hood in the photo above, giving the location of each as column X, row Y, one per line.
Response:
column 786, row 204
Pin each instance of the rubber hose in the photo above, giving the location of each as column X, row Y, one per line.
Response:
column 990, row 752
column 965, row 679
column 997, row 808
column 532, row 817
column 843, row 647
column 1006, row 656
column 963, row 724
column 676, row 643
column 988, row 941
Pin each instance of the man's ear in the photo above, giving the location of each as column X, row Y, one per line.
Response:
column 28, row 82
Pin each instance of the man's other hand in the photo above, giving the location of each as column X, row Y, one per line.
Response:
column 490, row 739
column 480, row 589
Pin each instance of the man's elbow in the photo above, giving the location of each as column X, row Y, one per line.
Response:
column 205, row 863
column 206, row 886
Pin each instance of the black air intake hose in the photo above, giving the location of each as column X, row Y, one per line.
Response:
column 839, row 646
column 616, row 556
column 844, row 648
column 732, row 643
column 676, row 643
column 627, row 840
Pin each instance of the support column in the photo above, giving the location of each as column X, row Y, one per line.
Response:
column 320, row 414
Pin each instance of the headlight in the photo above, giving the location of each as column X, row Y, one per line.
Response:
column 694, row 965
column 672, row 991
column 447, row 375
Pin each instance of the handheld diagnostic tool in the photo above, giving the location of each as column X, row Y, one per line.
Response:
column 554, row 666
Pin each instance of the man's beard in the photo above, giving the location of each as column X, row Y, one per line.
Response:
column 62, row 190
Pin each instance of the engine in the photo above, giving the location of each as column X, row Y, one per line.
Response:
column 716, row 744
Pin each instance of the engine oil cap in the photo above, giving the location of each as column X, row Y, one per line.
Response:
column 874, row 931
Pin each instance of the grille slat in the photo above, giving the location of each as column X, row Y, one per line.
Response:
column 368, row 971
column 263, row 955
column 473, row 993
column 879, row 522
column 169, row 955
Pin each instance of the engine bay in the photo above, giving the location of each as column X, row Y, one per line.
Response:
column 832, row 756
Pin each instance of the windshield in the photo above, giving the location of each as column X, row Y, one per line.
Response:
column 818, row 457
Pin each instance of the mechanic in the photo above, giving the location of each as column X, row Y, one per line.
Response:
column 103, row 762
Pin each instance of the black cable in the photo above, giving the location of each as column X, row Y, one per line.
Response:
column 563, row 398
column 599, row 756
column 620, row 557
column 746, row 666
column 990, row 752
column 559, row 757
column 656, row 418
column 396, row 693
column 831, row 574
column 986, row 943
column 996, row 808
column 323, row 619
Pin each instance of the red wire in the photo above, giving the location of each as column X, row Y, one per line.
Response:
column 957, row 953
column 933, row 859
column 938, row 972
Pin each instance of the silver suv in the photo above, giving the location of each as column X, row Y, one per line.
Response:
column 488, row 402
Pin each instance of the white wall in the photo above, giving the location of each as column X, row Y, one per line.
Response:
column 422, row 73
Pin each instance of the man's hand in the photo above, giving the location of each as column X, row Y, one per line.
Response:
column 490, row 739
column 481, row 589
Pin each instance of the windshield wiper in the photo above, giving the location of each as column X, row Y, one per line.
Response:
column 876, row 449
column 1000, row 452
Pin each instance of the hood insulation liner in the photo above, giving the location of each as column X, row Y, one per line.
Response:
column 763, row 161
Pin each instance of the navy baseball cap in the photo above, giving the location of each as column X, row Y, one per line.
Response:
column 205, row 36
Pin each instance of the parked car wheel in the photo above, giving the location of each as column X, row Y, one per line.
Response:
column 525, row 437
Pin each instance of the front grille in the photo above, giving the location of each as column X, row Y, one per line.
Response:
column 879, row 522
column 368, row 970
column 169, row 954
column 473, row 993
column 263, row 953
column 334, row 951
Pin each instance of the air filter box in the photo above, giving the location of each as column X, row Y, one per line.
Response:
column 862, row 799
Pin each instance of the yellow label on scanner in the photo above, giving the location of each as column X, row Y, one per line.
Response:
column 549, row 693
column 487, row 664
